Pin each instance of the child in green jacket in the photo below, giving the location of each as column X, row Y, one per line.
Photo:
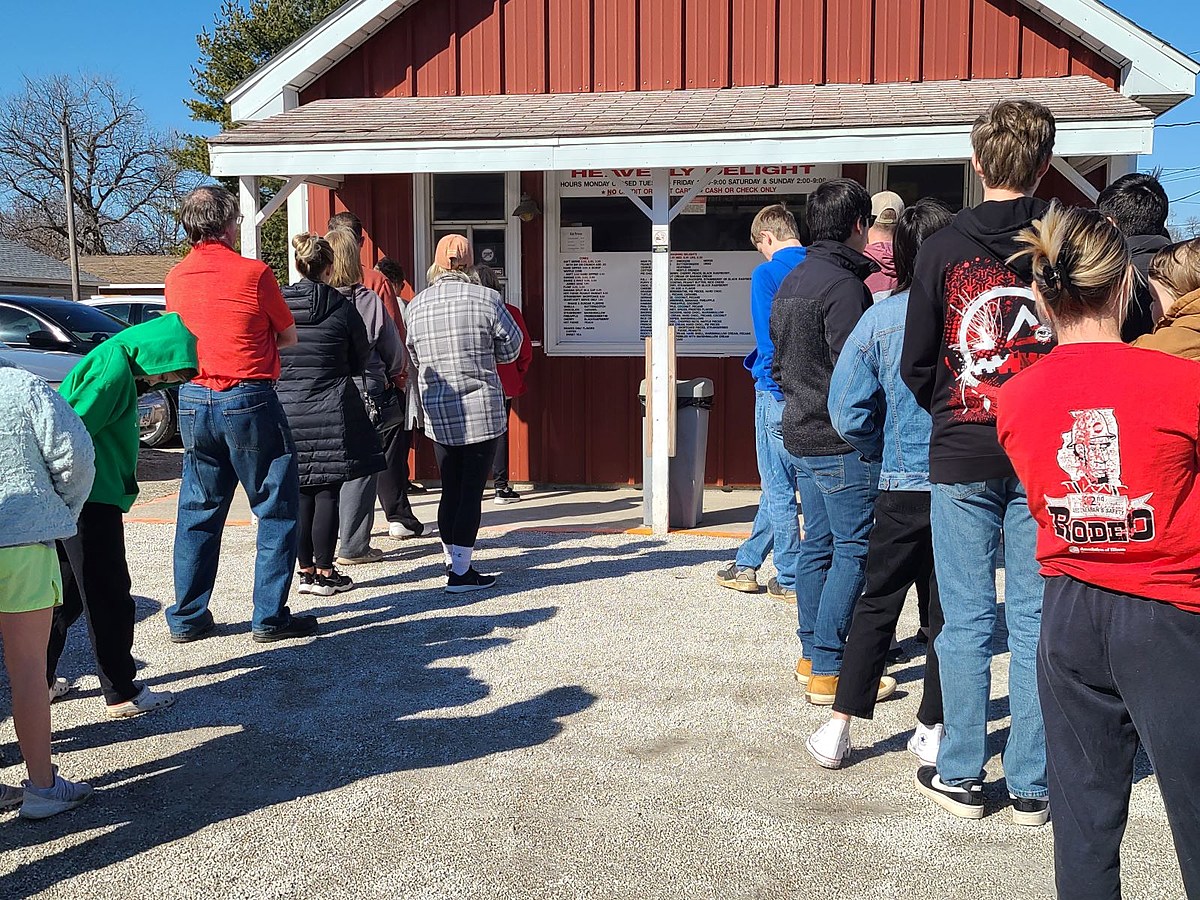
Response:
column 103, row 389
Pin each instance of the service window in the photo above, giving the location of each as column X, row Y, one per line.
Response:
column 602, row 302
column 945, row 182
column 473, row 205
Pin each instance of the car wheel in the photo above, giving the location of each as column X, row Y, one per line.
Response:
column 167, row 428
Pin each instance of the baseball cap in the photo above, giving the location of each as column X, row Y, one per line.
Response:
column 454, row 252
column 886, row 207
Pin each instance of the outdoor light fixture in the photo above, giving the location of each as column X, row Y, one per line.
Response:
column 527, row 210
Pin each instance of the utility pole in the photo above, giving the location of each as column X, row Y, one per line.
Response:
column 68, row 190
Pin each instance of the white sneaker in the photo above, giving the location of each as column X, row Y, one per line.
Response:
column 400, row 532
column 59, row 689
column 42, row 803
column 830, row 744
column 146, row 701
column 925, row 742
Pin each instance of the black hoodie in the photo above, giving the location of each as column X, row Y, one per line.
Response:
column 1140, row 318
column 971, row 326
column 814, row 311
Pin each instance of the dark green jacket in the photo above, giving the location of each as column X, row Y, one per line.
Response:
column 103, row 389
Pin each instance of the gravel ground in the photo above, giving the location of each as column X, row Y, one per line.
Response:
column 607, row 724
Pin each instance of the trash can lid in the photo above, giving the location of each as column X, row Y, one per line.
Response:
column 692, row 387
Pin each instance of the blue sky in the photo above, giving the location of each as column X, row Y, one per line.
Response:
column 150, row 46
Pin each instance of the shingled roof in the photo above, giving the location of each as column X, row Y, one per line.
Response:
column 24, row 265
column 129, row 270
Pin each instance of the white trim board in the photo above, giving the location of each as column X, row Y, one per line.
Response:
column 1150, row 66
column 880, row 145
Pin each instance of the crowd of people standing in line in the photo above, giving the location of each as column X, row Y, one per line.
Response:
column 1014, row 385
column 307, row 397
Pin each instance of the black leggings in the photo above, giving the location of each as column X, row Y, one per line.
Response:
column 465, row 473
column 318, row 525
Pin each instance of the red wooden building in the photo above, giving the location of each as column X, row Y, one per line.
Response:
column 429, row 116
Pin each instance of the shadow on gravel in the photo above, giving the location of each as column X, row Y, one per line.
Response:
column 291, row 721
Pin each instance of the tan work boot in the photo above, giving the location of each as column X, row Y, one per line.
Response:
column 822, row 689
column 803, row 671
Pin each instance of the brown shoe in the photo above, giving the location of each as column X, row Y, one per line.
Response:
column 803, row 670
column 822, row 689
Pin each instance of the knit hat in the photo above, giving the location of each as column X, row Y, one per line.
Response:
column 454, row 252
column 886, row 207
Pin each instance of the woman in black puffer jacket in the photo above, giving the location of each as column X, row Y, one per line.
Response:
column 335, row 441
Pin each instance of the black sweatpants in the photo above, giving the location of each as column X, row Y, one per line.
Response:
column 465, row 473
column 318, row 525
column 1116, row 672
column 500, row 463
column 899, row 555
column 96, row 585
column 392, row 483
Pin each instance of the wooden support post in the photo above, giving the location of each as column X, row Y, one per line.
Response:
column 251, row 230
column 661, row 389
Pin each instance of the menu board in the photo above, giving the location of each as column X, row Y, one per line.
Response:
column 732, row 181
column 606, row 299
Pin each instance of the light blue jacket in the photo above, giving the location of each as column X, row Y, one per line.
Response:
column 870, row 405
column 47, row 462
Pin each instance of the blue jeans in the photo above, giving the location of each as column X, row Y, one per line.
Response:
column 776, row 524
column 837, row 494
column 967, row 520
column 238, row 435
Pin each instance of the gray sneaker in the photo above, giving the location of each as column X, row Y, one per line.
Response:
column 42, row 803
column 739, row 578
column 779, row 592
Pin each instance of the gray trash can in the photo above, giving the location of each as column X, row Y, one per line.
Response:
column 694, row 399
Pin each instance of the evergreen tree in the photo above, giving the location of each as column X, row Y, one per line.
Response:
column 241, row 40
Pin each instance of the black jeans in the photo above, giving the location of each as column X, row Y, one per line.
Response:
column 392, row 482
column 500, row 463
column 464, row 476
column 1116, row 672
column 900, row 555
column 318, row 525
column 96, row 585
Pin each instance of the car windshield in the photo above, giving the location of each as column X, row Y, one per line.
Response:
column 87, row 323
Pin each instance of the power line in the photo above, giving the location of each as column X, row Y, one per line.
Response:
column 1177, row 124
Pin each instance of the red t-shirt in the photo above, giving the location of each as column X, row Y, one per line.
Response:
column 1104, row 438
column 234, row 307
column 374, row 280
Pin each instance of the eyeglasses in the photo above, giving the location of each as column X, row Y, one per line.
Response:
column 240, row 219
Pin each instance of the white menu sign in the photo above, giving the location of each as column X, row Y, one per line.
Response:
column 733, row 181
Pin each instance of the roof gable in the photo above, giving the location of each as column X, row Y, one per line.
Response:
column 1152, row 69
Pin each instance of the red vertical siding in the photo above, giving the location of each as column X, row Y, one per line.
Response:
column 571, row 45
column 802, row 43
column 706, row 43
column 435, row 49
column 946, row 40
column 580, row 421
column 525, row 47
column 849, row 31
column 897, row 56
column 478, row 33
column 660, row 45
column 995, row 40
column 616, row 63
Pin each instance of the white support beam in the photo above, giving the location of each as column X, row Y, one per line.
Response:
column 325, row 181
column 279, row 199
column 297, row 214
column 1072, row 175
column 623, row 186
column 251, row 229
column 1121, row 165
column 660, row 352
column 704, row 181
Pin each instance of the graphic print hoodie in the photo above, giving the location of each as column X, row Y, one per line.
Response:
column 971, row 326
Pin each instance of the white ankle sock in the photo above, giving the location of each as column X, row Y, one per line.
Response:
column 447, row 555
column 460, row 559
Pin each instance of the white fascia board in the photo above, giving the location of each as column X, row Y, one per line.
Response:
column 1102, row 138
column 1127, row 44
column 304, row 61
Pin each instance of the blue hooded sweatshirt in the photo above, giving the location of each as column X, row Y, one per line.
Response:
column 764, row 282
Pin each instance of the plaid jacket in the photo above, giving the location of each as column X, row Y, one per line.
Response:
column 457, row 333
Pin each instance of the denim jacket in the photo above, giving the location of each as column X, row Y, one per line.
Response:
column 872, row 408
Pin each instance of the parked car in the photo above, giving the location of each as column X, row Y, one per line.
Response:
column 155, row 411
column 131, row 309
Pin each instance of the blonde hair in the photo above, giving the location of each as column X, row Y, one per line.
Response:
column 313, row 254
column 1012, row 141
column 347, row 263
column 776, row 219
column 1177, row 267
column 1081, row 264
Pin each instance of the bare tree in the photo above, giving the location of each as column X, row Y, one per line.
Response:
column 126, row 186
